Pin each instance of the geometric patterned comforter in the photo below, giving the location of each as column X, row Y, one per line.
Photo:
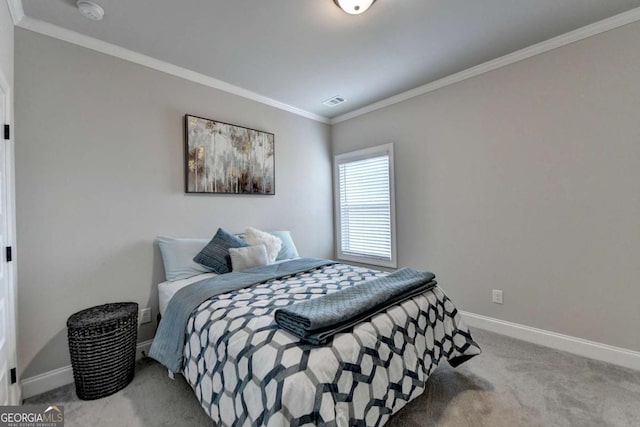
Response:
column 247, row 371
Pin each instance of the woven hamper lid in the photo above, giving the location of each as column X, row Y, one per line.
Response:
column 101, row 314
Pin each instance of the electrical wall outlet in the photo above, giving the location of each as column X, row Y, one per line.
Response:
column 496, row 296
column 145, row 316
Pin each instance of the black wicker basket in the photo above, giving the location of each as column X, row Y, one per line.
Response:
column 102, row 344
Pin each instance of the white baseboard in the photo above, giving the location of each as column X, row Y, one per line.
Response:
column 142, row 349
column 581, row 347
column 38, row 384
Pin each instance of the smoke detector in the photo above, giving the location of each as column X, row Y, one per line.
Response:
column 90, row 10
column 333, row 101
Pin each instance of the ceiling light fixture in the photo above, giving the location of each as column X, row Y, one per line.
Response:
column 354, row 7
column 90, row 10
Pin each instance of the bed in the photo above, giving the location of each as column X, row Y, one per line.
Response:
column 245, row 370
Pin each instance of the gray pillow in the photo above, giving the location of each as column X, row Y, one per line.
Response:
column 216, row 254
column 177, row 257
column 248, row 257
column 288, row 249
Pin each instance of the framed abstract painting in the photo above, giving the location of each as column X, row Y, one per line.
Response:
column 221, row 158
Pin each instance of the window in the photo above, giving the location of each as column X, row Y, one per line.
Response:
column 365, row 206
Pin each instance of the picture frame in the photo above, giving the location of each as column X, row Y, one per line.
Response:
column 222, row 158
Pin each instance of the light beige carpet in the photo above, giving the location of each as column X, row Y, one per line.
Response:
column 512, row 383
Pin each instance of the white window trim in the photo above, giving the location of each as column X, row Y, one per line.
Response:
column 380, row 150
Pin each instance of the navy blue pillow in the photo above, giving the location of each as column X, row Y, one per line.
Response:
column 216, row 254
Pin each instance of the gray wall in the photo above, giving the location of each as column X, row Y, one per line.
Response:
column 526, row 179
column 99, row 175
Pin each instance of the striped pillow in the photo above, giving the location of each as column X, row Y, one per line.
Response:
column 216, row 254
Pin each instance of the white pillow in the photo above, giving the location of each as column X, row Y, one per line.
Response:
column 272, row 243
column 248, row 257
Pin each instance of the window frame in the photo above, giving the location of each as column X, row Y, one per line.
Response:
column 353, row 156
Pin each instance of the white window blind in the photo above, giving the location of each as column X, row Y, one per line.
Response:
column 365, row 206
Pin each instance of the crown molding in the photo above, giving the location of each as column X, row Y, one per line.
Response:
column 590, row 30
column 16, row 10
column 92, row 43
column 51, row 30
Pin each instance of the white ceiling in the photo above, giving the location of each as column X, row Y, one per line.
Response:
column 301, row 52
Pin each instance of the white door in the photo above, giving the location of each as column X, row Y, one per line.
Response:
column 7, row 323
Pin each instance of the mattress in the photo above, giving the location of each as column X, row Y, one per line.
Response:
column 166, row 290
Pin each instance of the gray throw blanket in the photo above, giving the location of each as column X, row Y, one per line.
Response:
column 168, row 344
column 317, row 320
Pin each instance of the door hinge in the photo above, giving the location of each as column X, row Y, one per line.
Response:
column 7, row 132
column 14, row 378
column 9, row 254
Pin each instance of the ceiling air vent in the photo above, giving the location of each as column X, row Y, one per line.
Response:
column 332, row 102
